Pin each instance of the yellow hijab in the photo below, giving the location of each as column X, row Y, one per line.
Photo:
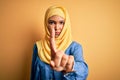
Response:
column 62, row 41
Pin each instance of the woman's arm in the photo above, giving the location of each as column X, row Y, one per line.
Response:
column 80, row 68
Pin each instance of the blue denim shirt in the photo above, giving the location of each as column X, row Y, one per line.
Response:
column 42, row 71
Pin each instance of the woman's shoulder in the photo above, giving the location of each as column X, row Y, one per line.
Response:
column 75, row 44
column 36, row 44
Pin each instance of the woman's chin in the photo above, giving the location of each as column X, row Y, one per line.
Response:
column 56, row 36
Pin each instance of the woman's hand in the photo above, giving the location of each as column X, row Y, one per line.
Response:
column 59, row 60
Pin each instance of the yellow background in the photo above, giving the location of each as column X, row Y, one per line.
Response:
column 95, row 24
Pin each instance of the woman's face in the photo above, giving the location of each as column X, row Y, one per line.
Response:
column 58, row 23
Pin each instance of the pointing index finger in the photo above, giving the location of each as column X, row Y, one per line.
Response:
column 52, row 40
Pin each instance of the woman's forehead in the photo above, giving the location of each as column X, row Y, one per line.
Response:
column 56, row 17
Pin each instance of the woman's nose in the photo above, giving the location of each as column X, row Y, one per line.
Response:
column 56, row 27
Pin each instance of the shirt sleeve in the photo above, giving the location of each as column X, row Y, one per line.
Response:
column 80, row 67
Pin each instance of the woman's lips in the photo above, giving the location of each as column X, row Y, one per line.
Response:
column 57, row 33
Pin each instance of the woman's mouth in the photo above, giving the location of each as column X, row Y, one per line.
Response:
column 57, row 33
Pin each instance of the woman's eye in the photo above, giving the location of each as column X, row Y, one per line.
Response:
column 51, row 22
column 62, row 22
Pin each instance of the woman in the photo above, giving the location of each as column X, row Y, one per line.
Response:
column 57, row 56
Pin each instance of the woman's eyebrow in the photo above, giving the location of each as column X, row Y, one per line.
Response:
column 62, row 20
column 55, row 21
column 51, row 20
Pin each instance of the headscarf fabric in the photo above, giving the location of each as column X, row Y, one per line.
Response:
column 62, row 41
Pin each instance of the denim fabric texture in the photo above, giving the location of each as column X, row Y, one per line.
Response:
column 42, row 71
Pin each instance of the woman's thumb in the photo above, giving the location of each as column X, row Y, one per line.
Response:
column 52, row 64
